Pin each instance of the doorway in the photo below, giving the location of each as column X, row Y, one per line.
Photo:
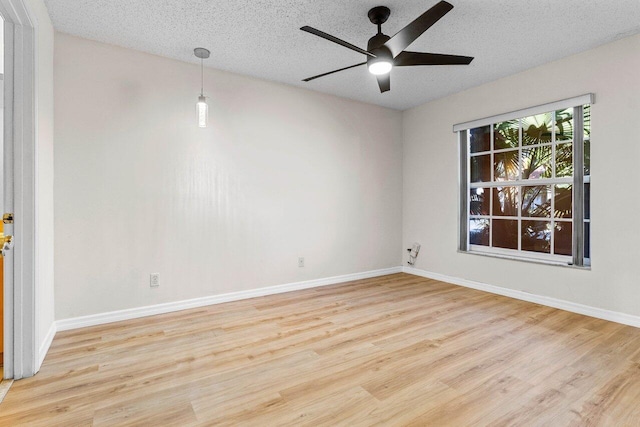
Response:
column 18, row 189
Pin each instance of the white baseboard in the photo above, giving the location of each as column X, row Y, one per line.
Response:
column 600, row 313
column 133, row 313
column 44, row 347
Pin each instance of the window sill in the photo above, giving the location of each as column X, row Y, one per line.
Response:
column 529, row 260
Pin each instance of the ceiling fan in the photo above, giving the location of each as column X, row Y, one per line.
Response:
column 384, row 52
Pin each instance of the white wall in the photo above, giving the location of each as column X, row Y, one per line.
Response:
column 430, row 192
column 2, row 45
column 44, row 289
column 281, row 172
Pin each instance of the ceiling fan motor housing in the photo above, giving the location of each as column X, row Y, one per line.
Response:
column 377, row 47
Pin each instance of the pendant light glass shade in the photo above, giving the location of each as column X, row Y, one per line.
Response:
column 202, row 111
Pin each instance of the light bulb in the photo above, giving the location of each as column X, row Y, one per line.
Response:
column 202, row 111
column 380, row 67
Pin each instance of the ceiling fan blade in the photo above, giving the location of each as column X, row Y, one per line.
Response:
column 384, row 81
column 335, row 40
column 420, row 58
column 403, row 38
column 334, row 71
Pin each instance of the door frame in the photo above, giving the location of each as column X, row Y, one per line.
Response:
column 20, row 160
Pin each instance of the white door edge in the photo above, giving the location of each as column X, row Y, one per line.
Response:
column 20, row 136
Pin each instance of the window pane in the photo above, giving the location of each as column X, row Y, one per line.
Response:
column 505, row 201
column 536, row 129
column 563, row 239
column 564, row 160
column 479, row 201
column 587, row 201
column 505, row 166
column 481, row 168
column 536, row 201
column 536, row 162
column 480, row 139
column 587, row 121
column 563, row 201
column 536, row 236
column 587, row 240
column 479, row 232
column 506, row 135
column 587, row 139
column 505, row 233
column 564, row 125
column 587, row 157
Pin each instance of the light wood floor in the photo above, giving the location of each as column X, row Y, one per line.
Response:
column 394, row 350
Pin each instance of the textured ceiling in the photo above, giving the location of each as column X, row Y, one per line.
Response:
column 261, row 38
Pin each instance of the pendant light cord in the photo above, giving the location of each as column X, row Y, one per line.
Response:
column 201, row 76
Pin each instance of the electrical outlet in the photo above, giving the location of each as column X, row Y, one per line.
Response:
column 154, row 280
column 301, row 261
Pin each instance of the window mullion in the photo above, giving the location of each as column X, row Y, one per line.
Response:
column 491, row 189
column 519, row 187
column 525, row 182
column 552, row 214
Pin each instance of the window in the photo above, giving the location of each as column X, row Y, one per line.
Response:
column 525, row 183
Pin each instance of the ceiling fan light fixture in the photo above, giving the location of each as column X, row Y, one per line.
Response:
column 382, row 63
column 378, row 68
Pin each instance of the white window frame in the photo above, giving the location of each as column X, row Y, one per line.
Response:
column 577, row 181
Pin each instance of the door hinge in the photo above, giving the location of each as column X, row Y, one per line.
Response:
column 7, row 218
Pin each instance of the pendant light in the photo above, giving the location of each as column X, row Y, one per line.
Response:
column 202, row 109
